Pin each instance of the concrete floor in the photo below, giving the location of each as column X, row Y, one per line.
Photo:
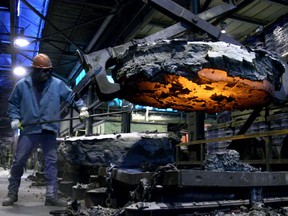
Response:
column 30, row 199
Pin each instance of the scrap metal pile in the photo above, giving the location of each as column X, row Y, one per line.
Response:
column 228, row 160
column 225, row 187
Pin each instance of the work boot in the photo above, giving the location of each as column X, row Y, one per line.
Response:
column 52, row 198
column 55, row 202
column 10, row 199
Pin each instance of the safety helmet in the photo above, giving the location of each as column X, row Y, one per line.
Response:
column 42, row 61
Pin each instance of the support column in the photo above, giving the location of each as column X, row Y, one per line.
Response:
column 126, row 117
column 196, row 132
column 89, row 122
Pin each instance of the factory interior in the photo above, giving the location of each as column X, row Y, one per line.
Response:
column 187, row 102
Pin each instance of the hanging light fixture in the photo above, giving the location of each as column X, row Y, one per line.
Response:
column 21, row 41
column 223, row 26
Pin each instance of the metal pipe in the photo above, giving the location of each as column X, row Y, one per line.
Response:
column 195, row 6
column 93, row 41
column 89, row 122
column 75, row 118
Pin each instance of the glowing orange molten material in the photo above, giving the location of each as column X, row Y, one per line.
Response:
column 212, row 91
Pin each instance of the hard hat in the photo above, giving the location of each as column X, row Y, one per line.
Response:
column 41, row 61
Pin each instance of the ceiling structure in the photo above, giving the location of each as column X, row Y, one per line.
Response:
column 60, row 27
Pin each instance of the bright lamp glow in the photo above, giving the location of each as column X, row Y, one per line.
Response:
column 21, row 42
column 223, row 26
column 19, row 71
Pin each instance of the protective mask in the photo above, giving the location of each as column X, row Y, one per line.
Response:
column 41, row 75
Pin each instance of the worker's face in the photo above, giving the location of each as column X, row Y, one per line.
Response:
column 41, row 75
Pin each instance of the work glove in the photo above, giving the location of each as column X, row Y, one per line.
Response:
column 15, row 124
column 84, row 114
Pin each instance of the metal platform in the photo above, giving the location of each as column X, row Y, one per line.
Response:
column 155, row 209
column 206, row 178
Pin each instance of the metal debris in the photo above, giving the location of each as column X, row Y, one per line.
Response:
column 76, row 208
column 227, row 161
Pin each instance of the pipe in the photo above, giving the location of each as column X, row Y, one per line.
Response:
column 75, row 118
column 93, row 41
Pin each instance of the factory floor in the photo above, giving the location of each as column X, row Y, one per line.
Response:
column 30, row 199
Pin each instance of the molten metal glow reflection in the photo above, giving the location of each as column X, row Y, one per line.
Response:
column 212, row 91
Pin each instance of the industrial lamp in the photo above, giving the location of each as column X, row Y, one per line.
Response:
column 19, row 71
column 223, row 26
column 21, row 40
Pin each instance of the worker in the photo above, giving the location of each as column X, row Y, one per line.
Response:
column 36, row 98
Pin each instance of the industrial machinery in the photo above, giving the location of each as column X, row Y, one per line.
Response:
column 187, row 75
column 166, row 71
column 163, row 70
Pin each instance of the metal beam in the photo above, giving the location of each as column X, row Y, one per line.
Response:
column 94, row 40
column 216, row 11
column 202, row 178
column 72, row 28
column 237, row 137
column 240, row 6
column 12, row 31
column 232, row 179
column 248, row 20
column 158, row 23
column 86, row 3
column 205, row 5
column 51, row 24
column 131, row 22
column 181, row 27
column 176, row 11
column 145, row 21
column 279, row 2
column 245, row 127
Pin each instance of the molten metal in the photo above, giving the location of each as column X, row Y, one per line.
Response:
column 210, row 77
column 214, row 91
